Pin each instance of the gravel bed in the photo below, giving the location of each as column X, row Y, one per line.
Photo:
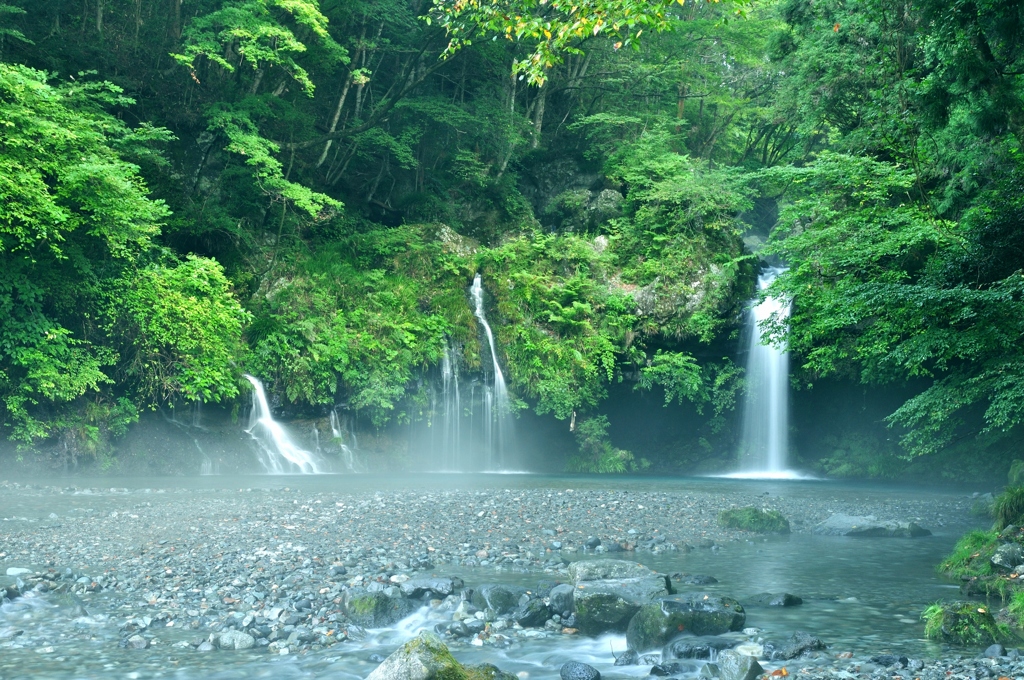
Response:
column 180, row 567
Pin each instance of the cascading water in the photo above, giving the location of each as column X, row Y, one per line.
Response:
column 277, row 452
column 763, row 447
column 497, row 423
column 348, row 457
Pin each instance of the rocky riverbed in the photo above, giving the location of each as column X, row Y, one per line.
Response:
column 165, row 582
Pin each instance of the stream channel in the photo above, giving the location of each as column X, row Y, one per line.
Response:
column 863, row 596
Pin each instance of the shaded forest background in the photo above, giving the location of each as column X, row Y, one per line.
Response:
column 193, row 189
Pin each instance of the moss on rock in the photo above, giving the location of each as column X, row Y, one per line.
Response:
column 964, row 623
column 754, row 519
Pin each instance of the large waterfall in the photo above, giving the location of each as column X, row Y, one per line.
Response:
column 277, row 452
column 764, row 443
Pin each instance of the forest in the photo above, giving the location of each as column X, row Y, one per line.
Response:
column 192, row 190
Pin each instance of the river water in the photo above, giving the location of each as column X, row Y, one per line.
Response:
column 860, row 595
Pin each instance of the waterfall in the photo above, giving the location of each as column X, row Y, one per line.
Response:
column 497, row 424
column 277, row 452
column 447, row 439
column 764, row 443
column 348, row 456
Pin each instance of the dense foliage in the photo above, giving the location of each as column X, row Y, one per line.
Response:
column 194, row 189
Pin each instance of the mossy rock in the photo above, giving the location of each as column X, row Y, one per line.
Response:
column 1008, row 507
column 701, row 614
column 754, row 519
column 426, row 657
column 964, row 623
column 375, row 609
column 972, row 555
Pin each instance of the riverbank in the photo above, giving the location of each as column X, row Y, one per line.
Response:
column 166, row 569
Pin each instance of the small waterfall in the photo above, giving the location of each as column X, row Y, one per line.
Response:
column 348, row 457
column 277, row 452
column 763, row 448
column 497, row 423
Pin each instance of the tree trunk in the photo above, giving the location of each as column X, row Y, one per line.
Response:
column 538, row 116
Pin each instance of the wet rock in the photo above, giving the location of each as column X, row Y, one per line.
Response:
column 498, row 597
column 561, row 598
column 205, row 646
column 532, row 614
column 437, row 587
column 796, row 645
column 575, row 670
column 774, row 600
column 425, row 657
column 696, row 647
column 961, row 623
column 665, row 669
column 734, row 666
column 889, row 660
column 18, row 571
column 610, row 604
column 755, row 520
column 697, row 579
column 376, row 609
column 695, row 613
column 627, row 658
column 868, row 526
column 596, row 570
column 592, row 542
column 136, row 642
column 234, row 639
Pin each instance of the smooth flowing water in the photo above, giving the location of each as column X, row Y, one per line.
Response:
column 765, row 438
column 860, row 595
column 497, row 415
column 278, row 454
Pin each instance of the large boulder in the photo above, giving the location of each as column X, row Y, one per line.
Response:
column 696, row 647
column 498, row 597
column 869, row 526
column 375, row 609
column 610, row 604
column 425, row 657
column 696, row 613
column 597, row 570
column 962, row 623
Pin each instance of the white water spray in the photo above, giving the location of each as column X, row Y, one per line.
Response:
column 348, row 457
column 277, row 452
column 765, row 442
column 497, row 423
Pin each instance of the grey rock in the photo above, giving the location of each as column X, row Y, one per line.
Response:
column 797, row 644
column 18, row 571
column 234, row 639
column 869, row 527
column 696, row 647
column 596, row 570
column 205, row 646
column 499, row 597
column 1008, row 556
column 136, row 642
column 575, row 670
column 627, row 658
column 561, row 598
column 532, row 614
column 692, row 613
column 735, row 666
column 995, row 650
column 610, row 604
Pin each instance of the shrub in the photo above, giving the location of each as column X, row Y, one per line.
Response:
column 1009, row 507
column 753, row 519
